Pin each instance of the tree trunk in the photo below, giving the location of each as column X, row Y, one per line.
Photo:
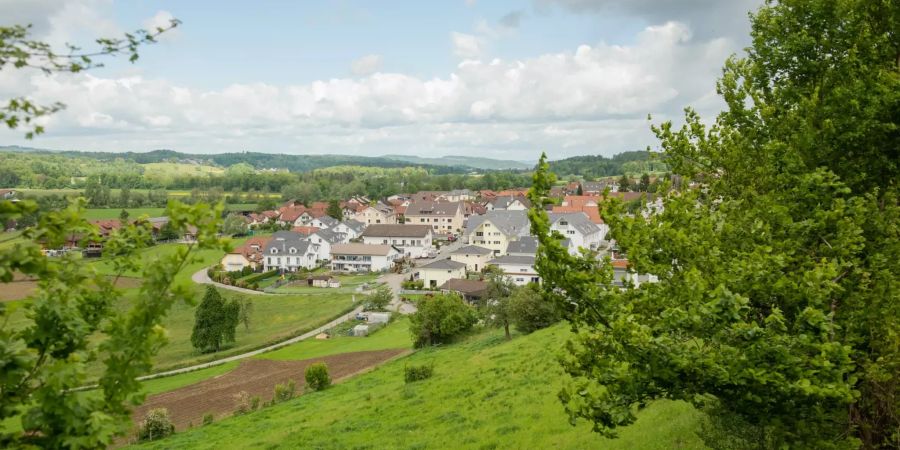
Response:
column 506, row 329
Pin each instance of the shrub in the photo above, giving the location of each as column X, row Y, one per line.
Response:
column 208, row 418
column 156, row 425
column 241, row 403
column 530, row 311
column 284, row 391
column 413, row 285
column 418, row 373
column 440, row 319
column 261, row 276
column 317, row 377
column 254, row 403
column 378, row 300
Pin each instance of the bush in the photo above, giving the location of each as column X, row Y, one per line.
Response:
column 529, row 310
column 378, row 300
column 156, row 425
column 440, row 319
column 254, row 403
column 208, row 418
column 241, row 403
column 260, row 276
column 413, row 285
column 284, row 391
column 317, row 377
column 418, row 373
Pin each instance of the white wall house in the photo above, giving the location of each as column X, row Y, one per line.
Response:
column 362, row 257
column 439, row 272
column 578, row 229
column 473, row 256
column 442, row 217
column 289, row 251
column 519, row 269
column 351, row 228
column 324, row 222
column 412, row 240
column 378, row 214
column 249, row 254
column 324, row 240
column 508, row 203
column 496, row 229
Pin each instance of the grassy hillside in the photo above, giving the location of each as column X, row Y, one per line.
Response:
column 113, row 213
column 486, row 393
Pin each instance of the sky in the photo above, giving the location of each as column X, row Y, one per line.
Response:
column 503, row 79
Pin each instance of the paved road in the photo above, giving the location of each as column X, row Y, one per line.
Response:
column 202, row 278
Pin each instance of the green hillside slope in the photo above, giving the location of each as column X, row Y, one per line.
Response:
column 486, row 393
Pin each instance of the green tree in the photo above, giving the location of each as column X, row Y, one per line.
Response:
column 777, row 304
column 624, row 183
column 580, row 190
column 124, row 197
column 234, row 225
column 215, row 321
column 529, row 311
column 123, row 216
column 644, row 184
column 440, row 319
column 496, row 303
column 379, row 299
column 317, row 377
column 76, row 317
column 335, row 210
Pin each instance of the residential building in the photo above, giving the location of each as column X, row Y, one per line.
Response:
column 442, row 217
column 352, row 228
column 579, row 229
column 525, row 246
column 324, row 222
column 470, row 290
column 510, row 202
column 457, row 195
column 496, row 229
column 518, row 269
column 248, row 254
column 413, row 241
column 473, row 256
column 438, row 272
column 288, row 251
column 380, row 213
column 324, row 240
column 363, row 257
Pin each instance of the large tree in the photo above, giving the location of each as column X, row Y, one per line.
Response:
column 215, row 321
column 778, row 304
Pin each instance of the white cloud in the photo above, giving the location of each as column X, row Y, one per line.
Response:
column 366, row 65
column 592, row 99
column 467, row 46
column 162, row 19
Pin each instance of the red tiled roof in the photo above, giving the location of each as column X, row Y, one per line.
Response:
column 291, row 214
column 246, row 249
column 307, row 230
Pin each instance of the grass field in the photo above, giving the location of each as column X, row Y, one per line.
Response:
column 167, row 169
column 113, row 213
column 486, row 393
column 349, row 283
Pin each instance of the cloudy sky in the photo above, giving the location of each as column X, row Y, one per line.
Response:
column 498, row 78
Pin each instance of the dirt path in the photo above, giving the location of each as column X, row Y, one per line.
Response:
column 257, row 377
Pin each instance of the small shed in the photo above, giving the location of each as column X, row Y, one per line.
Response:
column 323, row 281
column 379, row 317
column 361, row 330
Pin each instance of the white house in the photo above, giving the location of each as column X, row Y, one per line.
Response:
column 578, row 229
column 362, row 257
column 324, row 222
column 351, row 228
column 519, row 269
column 509, row 203
column 473, row 256
column 496, row 229
column 439, row 272
column 288, row 251
column 249, row 254
column 525, row 246
column 443, row 217
column 412, row 240
column 457, row 195
column 324, row 240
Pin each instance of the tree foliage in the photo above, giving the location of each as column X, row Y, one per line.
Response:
column 529, row 311
column 496, row 304
column 778, row 305
column 317, row 377
column 215, row 321
column 440, row 318
column 75, row 318
column 379, row 299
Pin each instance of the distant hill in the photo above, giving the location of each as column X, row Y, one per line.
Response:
column 294, row 163
column 464, row 161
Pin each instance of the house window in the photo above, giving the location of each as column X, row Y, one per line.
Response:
column 274, row 251
column 278, row 261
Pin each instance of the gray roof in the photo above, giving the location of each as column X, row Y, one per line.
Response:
column 471, row 250
column 355, row 225
column 512, row 259
column 579, row 220
column 510, row 223
column 285, row 240
column 444, row 264
column 525, row 244
column 505, row 201
column 460, row 192
column 328, row 221
column 389, row 230
column 330, row 235
column 426, row 208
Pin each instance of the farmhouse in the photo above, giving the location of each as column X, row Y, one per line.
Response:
column 473, row 256
column 443, row 217
column 249, row 254
column 288, row 251
column 362, row 257
column 438, row 272
column 412, row 240
column 519, row 269
column 496, row 229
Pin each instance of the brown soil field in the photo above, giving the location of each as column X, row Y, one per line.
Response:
column 257, row 377
column 21, row 287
